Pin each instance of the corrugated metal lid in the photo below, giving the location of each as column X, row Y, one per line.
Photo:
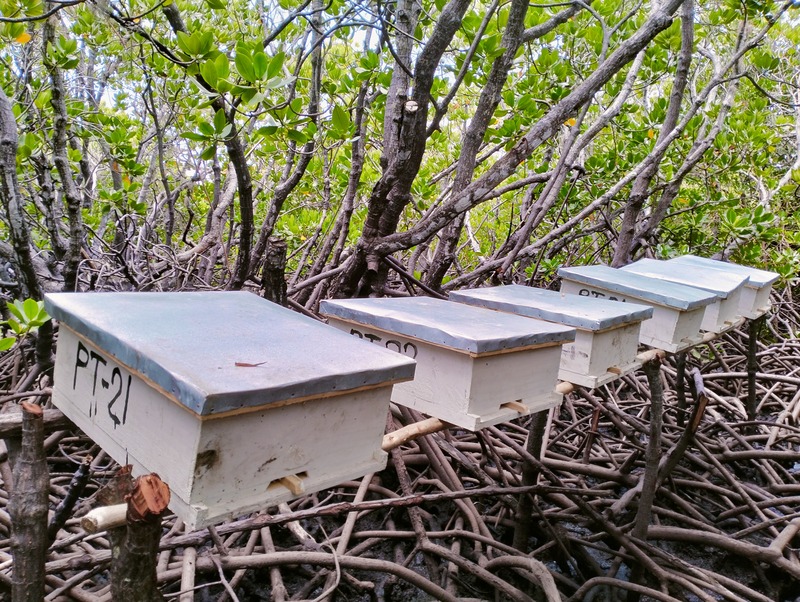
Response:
column 660, row 292
column 585, row 313
column 449, row 324
column 758, row 278
column 720, row 283
column 189, row 344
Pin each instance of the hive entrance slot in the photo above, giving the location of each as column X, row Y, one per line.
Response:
column 293, row 483
column 516, row 406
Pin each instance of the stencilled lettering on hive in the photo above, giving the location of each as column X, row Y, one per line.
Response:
column 585, row 292
column 409, row 349
column 106, row 385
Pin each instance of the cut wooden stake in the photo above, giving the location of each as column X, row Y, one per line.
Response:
column 11, row 422
column 134, row 546
column 150, row 497
column 28, row 508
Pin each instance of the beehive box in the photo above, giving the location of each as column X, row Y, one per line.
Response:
column 677, row 310
column 475, row 367
column 607, row 332
column 237, row 403
column 723, row 313
column 755, row 296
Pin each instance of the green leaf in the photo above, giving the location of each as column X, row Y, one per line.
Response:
column 208, row 153
column 220, row 121
column 249, row 94
column 207, row 129
column 496, row 53
column 340, row 119
column 203, row 42
column 66, row 45
column 217, row 4
column 184, row 42
column 14, row 30
column 370, row 61
column 277, row 82
column 194, row 136
column 244, row 65
column 16, row 326
column 16, row 310
column 267, row 131
column 222, row 66
column 297, row 136
column 31, row 309
column 7, row 343
column 260, row 65
column 209, row 72
column 276, row 65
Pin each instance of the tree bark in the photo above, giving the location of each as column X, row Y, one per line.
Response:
column 273, row 278
column 13, row 204
column 376, row 242
column 28, row 508
column 237, row 155
column 404, row 147
column 72, row 195
column 513, row 36
column 647, row 492
column 291, row 178
column 639, row 192
column 524, row 520
column 134, row 547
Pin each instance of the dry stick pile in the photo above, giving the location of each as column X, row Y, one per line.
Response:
column 438, row 522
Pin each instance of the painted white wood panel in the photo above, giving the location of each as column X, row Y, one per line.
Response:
column 465, row 389
column 597, row 358
column 221, row 466
column 320, row 442
column 755, row 299
column 727, row 286
column 528, row 377
column 670, row 329
column 142, row 427
column 607, row 331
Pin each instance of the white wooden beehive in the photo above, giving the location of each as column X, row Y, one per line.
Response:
column 237, row 403
column 755, row 300
column 475, row 367
column 719, row 316
column 677, row 310
column 607, row 338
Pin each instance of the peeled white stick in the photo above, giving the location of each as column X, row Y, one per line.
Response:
column 105, row 518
